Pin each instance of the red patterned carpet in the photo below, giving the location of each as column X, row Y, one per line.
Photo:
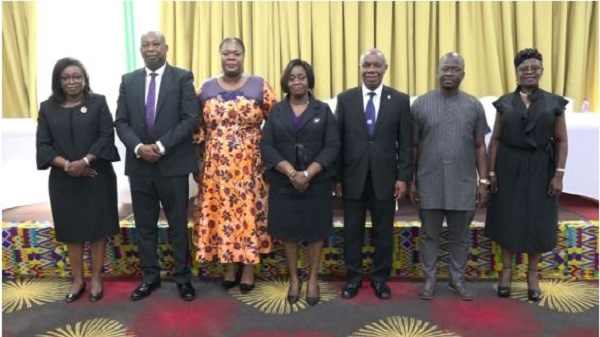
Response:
column 37, row 309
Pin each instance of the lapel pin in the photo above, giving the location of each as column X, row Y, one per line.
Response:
column 389, row 97
column 83, row 110
column 316, row 120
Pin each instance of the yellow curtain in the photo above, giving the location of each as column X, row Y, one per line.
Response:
column 19, row 59
column 413, row 35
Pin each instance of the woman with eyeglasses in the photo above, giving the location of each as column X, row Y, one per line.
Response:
column 75, row 139
column 527, row 156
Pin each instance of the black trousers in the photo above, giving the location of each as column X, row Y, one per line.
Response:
column 382, row 219
column 148, row 192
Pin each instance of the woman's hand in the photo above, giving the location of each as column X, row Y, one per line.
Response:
column 77, row 168
column 556, row 186
column 300, row 182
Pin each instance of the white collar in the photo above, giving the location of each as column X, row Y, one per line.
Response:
column 159, row 71
column 377, row 91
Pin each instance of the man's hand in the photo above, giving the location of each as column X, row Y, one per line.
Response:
column 400, row 190
column 482, row 195
column 149, row 152
column 413, row 193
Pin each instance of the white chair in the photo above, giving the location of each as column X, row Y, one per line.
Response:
column 332, row 102
column 490, row 113
column 570, row 106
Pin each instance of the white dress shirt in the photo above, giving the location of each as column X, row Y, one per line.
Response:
column 376, row 98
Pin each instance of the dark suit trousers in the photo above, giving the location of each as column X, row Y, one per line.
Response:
column 382, row 220
column 148, row 192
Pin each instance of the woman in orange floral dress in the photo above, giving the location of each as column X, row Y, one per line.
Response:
column 231, row 205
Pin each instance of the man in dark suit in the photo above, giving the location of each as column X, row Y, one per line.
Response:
column 157, row 112
column 375, row 166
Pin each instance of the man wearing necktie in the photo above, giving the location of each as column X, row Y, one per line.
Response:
column 157, row 112
column 375, row 167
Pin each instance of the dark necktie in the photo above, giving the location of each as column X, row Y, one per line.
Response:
column 151, row 105
column 370, row 115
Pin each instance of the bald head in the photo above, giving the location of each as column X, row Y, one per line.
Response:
column 154, row 49
column 372, row 68
column 451, row 72
column 455, row 56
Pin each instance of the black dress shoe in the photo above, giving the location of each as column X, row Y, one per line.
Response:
column 74, row 297
column 381, row 290
column 144, row 290
column 294, row 298
column 246, row 288
column 350, row 290
column 228, row 284
column 534, row 295
column 312, row 300
column 95, row 297
column 504, row 291
column 186, row 291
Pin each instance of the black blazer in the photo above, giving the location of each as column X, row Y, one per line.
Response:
column 176, row 118
column 317, row 140
column 388, row 154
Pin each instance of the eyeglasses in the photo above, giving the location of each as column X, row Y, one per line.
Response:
column 75, row 78
column 454, row 70
column 526, row 69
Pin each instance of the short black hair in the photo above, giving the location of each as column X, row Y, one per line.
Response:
column 235, row 40
column 58, row 94
column 287, row 72
column 525, row 54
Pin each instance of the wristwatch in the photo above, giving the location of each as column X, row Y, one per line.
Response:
column 484, row 181
column 306, row 174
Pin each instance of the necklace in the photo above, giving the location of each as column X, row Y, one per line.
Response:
column 523, row 94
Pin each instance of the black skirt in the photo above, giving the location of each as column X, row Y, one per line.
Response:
column 84, row 209
column 295, row 216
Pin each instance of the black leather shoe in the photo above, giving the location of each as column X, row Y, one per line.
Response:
column 246, row 288
column 186, row 291
column 381, row 290
column 350, row 289
column 504, row 291
column 228, row 284
column 312, row 300
column 294, row 298
column 534, row 295
column 74, row 297
column 95, row 297
column 144, row 290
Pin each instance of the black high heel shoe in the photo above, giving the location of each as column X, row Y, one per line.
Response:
column 312, row 300
column 294, row 298
column 533, row 294
column 70, row 297
column 95, row 297
column 504, row 291
column 228, row 284
column 246, row 288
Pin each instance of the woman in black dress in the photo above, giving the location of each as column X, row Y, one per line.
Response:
column 300, row 145
column 527, row 154
column 75, row 139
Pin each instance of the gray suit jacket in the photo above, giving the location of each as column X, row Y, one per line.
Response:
column 388, row 154
column 177, row 112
